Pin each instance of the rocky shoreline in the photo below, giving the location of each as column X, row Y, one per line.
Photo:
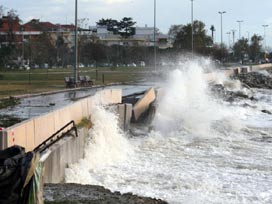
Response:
column 91, row 194
column 256, row 79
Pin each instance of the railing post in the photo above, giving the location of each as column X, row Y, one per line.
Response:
column 3, row 140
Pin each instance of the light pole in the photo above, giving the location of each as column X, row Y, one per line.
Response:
column 155, row 52
column 239, row 22
column 221, row 14
column 264, row 26
column 228, row 33
column 75, row 48
column 233, row 36
column 192, row 25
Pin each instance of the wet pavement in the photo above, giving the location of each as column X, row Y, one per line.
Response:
column 33, row 106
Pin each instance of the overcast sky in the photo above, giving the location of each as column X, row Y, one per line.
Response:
column 254, row 13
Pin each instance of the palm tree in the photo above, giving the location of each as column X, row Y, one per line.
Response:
column 213, row 30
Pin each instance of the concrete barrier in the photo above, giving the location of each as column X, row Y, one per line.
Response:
column 143, row 104
column 124, row 112
column 66, row 151
column 31, row 133
column 261, row 66
column 244, row 70
column 235, row 71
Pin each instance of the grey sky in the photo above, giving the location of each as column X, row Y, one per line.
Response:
column 254, row 13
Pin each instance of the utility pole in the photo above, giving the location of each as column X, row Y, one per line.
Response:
column 155, row 51
column 75, row 48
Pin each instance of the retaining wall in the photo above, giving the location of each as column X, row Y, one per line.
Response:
column 33, row 132
column 66, row 151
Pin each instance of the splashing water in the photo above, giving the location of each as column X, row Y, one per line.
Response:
column 199, row 151
column 186, row 102
column 107, row 145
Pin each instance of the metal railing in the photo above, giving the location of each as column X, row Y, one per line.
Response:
column 56, row 137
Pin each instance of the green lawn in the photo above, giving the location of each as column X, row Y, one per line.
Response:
column 20, row 82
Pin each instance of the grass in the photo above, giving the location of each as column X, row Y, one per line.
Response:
column 19, row 82
column 85, row 122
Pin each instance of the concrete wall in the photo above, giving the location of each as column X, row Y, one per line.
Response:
column 124, row 112
column 143, row 104
column 31, row 133
column 67, row 151
column 261, row 66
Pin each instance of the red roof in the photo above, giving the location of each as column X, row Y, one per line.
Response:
column 68, row 27
column 36, row 25
column 7, row 24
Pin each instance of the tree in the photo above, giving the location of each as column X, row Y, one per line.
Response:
column 93, row 52
column 9, row 49
column 125, row 27
column 183, row 37
column 241, row 49
column 174, row 30
column 62, row 51
column 42, row 50
column 255, row 47
column 213, row 30
column 111, row 24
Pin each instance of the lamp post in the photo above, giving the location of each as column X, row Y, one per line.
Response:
column 239, row 22
column 75, row 49
column 155, row 51
column 228, row 33
column 192, row 25
column 264, row 26
column 221, row 14
column 233, row 36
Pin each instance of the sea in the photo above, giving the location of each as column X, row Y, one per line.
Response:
column 199, row 148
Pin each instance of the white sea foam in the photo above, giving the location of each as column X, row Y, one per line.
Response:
column 199, row 151
column 107, row 145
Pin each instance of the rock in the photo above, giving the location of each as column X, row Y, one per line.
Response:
column 266, row 111
column 91, row 194
column 229, row 96
column 256, row 80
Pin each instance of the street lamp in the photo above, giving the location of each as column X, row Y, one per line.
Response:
column 264, row 26
column 155, row 52
column 239, row 22
column 192, row 25
column 233, row 36
column 221, row 14
column 228, row 33
column 75, row 48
